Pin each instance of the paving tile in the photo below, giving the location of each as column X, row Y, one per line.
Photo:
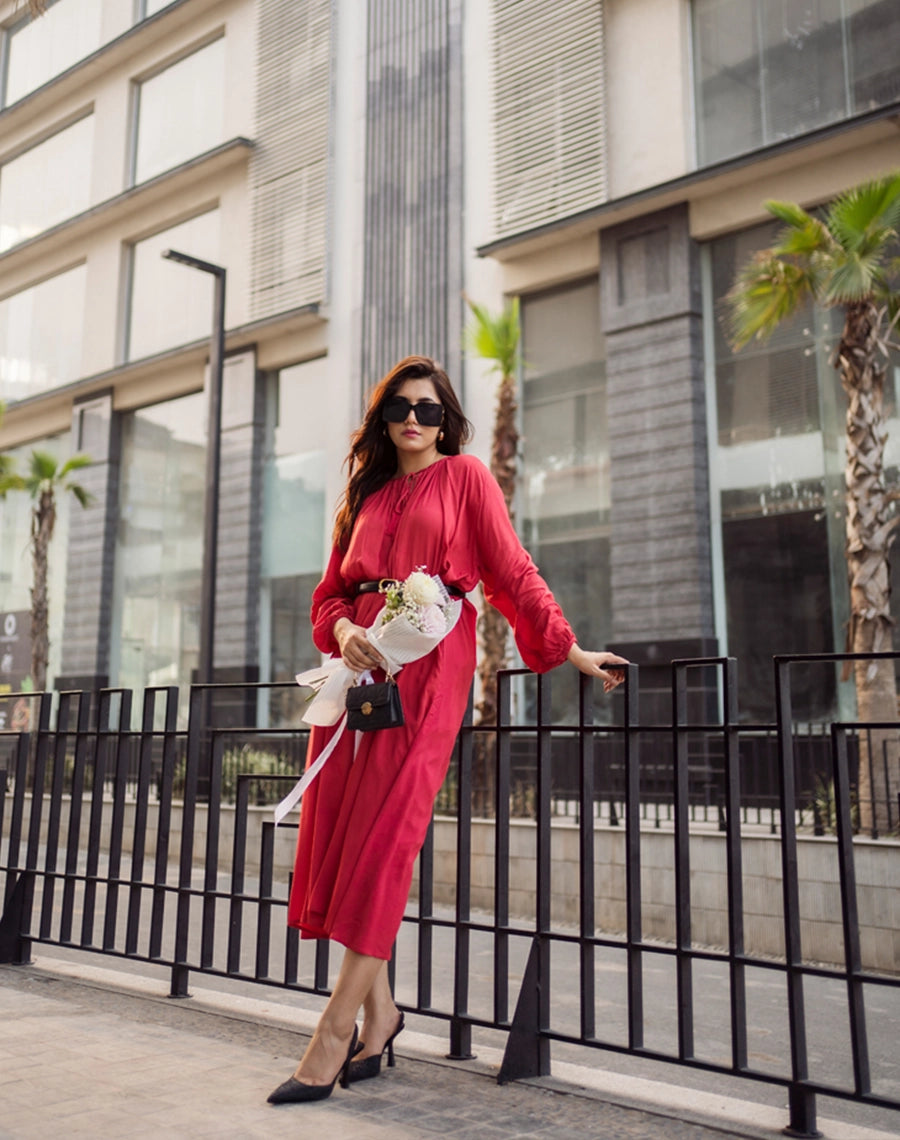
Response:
column 127, row 1067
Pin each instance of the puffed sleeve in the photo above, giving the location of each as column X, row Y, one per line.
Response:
column 512, row 582
column 332, row 599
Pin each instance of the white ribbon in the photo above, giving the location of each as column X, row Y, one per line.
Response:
column 293, row 796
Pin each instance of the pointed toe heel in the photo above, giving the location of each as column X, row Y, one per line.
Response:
column 293, row 1091
column 371, row 1066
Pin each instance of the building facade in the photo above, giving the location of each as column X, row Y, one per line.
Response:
column 358, row 167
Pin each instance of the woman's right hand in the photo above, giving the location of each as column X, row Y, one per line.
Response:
column 357, row 652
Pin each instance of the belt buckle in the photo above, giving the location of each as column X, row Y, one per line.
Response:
column 384, row 584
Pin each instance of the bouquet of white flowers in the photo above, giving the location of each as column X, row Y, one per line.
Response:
column 418, row 614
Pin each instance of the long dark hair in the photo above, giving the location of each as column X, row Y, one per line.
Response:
column 372, row 459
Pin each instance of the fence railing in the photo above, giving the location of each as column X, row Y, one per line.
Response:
column 87, row 864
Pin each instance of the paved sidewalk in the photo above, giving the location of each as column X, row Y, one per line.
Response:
column 86, row 1052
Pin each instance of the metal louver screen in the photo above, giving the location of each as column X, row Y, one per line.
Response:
column 412, row 282
column 289, row 168
column 550, row 110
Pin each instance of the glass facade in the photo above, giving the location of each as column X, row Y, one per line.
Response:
column 294, row 520
column 159, row 544
column 171, row 304
column 767, row 70
column 15, row 561
column 41, row 332
column 777, row 469
column 180, row 112
column 47, row 184
column 565, row 497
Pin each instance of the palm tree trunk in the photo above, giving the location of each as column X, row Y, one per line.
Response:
column 869, row 535
column 492, row 628
column 43, row 521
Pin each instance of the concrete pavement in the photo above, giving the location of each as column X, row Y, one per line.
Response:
column 87, row 1051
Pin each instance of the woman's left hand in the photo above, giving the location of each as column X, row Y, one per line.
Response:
column 609, row 666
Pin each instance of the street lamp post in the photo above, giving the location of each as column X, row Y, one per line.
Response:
column 213, row 454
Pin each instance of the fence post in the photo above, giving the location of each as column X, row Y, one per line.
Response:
column 198, row 707
column 460, row 1026
column 527, row 1051
column 801, row 1101
column 15, row 950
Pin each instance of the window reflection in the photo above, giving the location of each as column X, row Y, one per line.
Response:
column 171, row 304
column 565, row 470
column 775, row 69
column 777, row 475
column 41, row 48
column 181, row 112
column 41, row 332
column 293, row 528
column 159, row 544
column 47, row 184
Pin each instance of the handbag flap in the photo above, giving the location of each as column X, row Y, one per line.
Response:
column 374, row 696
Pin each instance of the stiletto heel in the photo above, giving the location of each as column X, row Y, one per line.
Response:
column 293, row 1091
column 371, row 1066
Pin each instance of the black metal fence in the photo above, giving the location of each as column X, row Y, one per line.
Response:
column 102, row 848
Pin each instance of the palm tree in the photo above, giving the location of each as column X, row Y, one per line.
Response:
column 847, row 260
column 46, row 478
column 496, row 338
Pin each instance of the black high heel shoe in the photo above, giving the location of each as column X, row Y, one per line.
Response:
column 371, row 1066
column 293, row 1091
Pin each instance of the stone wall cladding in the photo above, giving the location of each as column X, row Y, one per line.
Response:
column 660, row 526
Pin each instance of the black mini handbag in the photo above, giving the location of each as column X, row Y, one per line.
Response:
column 374, row 706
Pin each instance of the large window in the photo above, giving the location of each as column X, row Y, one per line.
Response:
column 159, row 545
column 777, row 469
column 41, row 331
column 16, row 570
column 294, row 518
column 46, row 184
column 37, row 49
column 180, row 112
column 170, row 303
column 767, row 70
column 565, row 470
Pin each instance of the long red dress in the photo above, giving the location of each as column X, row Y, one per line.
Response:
column 364, row 820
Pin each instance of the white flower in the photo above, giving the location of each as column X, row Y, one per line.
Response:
column 421, row 590
column 433, row 622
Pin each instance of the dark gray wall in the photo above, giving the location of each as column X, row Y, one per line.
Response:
column 413, row 280
column 651, row 317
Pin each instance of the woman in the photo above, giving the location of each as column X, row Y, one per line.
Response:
column 412, row 500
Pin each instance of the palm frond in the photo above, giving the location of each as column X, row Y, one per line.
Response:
column 10, row 481
column 808, row 240
column 74, row 464
column 789, row 213
column 854, row 276
column 495, row 337
column 82, row 494
column 42, row 466
column 768, row 291
column 866, row 216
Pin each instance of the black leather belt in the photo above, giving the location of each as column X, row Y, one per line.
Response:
column 382, row 584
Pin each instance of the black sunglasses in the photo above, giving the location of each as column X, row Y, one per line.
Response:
column 428, row 414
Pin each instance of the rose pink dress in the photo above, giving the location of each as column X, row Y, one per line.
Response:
column 363, row 820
